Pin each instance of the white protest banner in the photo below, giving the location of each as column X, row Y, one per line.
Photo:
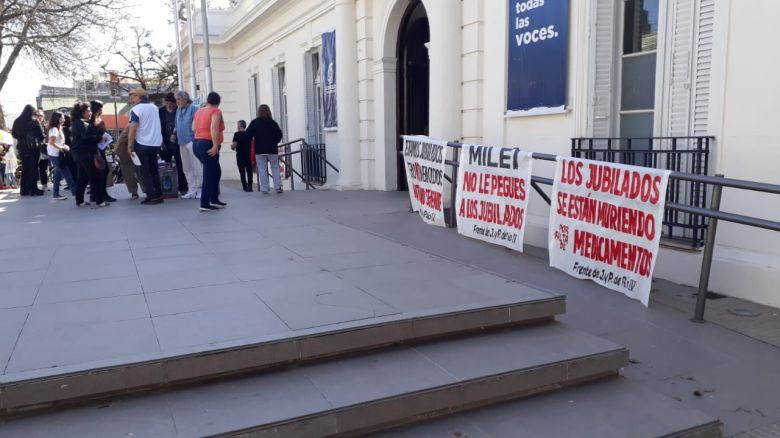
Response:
column 492, row 195
column 605, row 223
column 424, row 164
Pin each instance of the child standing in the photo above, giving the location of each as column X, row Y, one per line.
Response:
column 242, row 144
column 10, row 167
column 2, row 168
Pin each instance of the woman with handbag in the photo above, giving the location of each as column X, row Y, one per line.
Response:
column 96, row 121
column 85, row 153
column 26, row 130
column 55, row 148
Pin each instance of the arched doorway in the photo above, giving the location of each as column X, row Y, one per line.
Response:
column 413, row 79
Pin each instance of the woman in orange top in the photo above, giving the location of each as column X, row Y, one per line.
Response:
column 209, row 126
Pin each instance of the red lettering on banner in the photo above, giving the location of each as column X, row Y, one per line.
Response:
column 571, row 172
column 427, row 197
column 468, row 209
column 502, row 186
column 469, row 181
column 561, row 203
column 613, row 252
column 491, row 212
column 626, row 183
column 607, row 215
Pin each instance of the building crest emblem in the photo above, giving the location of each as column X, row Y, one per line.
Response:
column 331, row 73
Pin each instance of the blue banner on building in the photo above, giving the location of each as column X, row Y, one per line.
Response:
column 538, row 54
column 329, row 79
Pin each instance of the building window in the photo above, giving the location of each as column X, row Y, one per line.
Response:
column 314, row 110
column 254, row 95
column 280, row 99
column 638, row 67
column 640, row 33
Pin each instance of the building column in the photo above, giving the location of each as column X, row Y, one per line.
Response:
column 385, row 75
column 347, row 95
column 444, row 50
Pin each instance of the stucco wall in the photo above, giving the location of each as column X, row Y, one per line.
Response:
column 742, row 114
column 748, row 148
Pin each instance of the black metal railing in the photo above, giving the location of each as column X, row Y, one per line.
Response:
column 678, row 154
column 313, row 163
column 284, row 150
column 713, row 212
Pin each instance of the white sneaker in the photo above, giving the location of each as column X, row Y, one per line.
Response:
column 188, row 195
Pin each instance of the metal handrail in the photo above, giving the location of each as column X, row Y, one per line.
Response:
column 287, row 162
column 290, row 143
column 285, row 157
column 693, row 137
column 714, row 213
column 323, row 158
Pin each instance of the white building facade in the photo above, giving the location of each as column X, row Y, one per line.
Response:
column 634, row 68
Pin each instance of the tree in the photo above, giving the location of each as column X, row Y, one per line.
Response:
column 142, row 63
column 53, row 33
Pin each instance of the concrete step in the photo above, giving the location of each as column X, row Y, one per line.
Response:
column 354, row 395
column 31, row 391
column 611, row 408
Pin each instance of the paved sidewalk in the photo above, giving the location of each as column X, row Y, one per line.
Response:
column 83, row 289
column 130, row 281
column 719, row 371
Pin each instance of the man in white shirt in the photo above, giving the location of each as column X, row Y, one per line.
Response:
column 145, row 138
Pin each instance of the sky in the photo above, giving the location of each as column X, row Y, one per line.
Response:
column 25, row 79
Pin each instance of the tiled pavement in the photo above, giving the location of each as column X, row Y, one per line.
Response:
column 83, row 286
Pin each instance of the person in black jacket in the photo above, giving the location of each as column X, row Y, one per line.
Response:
column 171, row 148
column 242, row 144
column 43, row 159
column 66, row 158
column 267, row 135
column 85, row 152
column 96, row 123
column 28, row 134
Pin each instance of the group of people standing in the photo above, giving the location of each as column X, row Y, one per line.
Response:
column 178, row 131
column 70, row 145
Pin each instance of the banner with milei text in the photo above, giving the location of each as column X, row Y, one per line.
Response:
column 605, row 223
column 492, row 195
column 424, row 163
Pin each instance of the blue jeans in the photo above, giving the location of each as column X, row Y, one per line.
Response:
column 59, row 173
column 212, row 172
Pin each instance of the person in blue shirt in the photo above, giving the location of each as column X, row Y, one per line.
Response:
column 185, row 113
